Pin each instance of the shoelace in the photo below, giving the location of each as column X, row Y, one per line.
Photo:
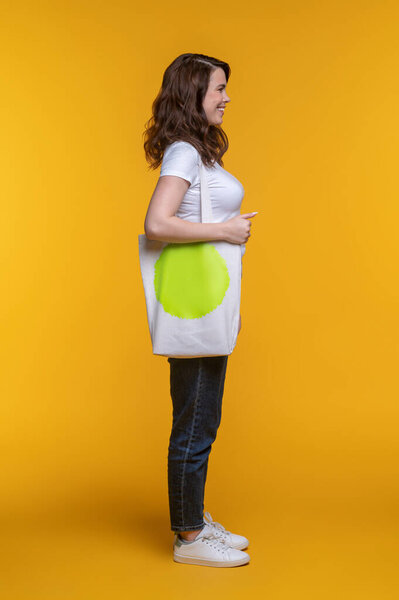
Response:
column 218, row 544
column 218, row 529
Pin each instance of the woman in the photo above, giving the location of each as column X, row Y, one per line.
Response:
column 186, row 126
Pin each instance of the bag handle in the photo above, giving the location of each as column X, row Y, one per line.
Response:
column 206, row 206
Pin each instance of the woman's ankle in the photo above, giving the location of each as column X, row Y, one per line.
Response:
column 189, row 535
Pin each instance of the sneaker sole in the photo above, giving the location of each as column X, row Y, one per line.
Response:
column 210, row 563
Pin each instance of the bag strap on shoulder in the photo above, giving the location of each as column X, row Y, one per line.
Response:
column 206, row 206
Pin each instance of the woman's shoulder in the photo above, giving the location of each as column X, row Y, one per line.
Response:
column 181, row 146
column 182, row 159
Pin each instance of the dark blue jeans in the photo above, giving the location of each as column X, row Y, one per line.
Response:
column 196, row 388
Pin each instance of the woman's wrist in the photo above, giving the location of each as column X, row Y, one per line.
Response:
column 221, row 233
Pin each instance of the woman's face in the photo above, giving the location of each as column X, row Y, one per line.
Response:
column 216, row 97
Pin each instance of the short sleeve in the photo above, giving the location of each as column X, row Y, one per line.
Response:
column 181, row 159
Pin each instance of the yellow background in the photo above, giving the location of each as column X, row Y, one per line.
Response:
column 306, row 459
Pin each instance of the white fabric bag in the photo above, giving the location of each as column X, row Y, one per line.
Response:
column 192, row 291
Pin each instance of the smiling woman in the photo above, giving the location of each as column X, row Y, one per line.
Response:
column 192, row 280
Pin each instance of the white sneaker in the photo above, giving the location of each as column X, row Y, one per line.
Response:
column 207, row 550
column 231, row 539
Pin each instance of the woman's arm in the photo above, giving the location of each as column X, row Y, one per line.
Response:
column 162, row 224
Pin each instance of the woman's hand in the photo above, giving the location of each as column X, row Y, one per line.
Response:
column 237, row 230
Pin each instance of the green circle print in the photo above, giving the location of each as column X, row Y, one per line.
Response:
column 191, row 279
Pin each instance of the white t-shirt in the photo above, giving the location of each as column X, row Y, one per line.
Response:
column 226, row 192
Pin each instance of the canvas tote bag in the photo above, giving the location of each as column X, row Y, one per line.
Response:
column 192, row 291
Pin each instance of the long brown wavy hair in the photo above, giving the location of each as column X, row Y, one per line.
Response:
column 178, row 113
